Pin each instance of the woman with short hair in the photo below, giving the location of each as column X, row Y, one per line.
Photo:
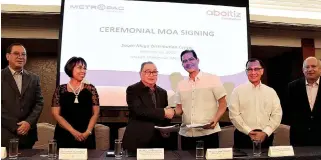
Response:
column 75, row 106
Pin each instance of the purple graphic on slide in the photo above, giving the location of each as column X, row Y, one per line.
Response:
column 126, row 78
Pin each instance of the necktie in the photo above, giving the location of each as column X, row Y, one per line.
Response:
column 153, row 97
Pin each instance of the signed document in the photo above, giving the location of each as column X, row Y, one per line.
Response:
column 168, row 129
column 197, row 125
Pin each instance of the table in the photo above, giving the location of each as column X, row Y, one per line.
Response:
column 306, row 153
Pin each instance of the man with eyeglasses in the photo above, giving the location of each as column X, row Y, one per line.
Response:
column 147, row 104
column 254, row 109
column 303, row 109
column 21, row 100
column 200, row 100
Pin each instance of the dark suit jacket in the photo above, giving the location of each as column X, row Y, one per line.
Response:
column 16, row 107
column 143, row 116
column 305, row 124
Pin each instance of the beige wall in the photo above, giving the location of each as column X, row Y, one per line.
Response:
column 317, row 42
column 317, row 45
column 29, row 32
column 318, row 53
column 282, row 36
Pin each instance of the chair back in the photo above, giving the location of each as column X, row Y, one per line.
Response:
column 45, row 133
column 102, row 134
column 121, row 132
column 226, row 137
column 282, row 136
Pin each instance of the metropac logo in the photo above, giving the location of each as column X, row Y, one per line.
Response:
column 99, row 7
column 226, row 14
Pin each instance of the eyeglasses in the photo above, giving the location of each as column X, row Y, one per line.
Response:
column 253, row 69
column 17, row 54
column 149, row 73
column 190, row 59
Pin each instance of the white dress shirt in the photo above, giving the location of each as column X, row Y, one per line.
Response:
column 312, row 91
column 199, row 101
column 255, row 108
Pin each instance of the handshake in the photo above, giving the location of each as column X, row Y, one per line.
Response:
column 169, row 113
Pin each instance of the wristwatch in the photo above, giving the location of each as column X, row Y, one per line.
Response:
column 89, row 132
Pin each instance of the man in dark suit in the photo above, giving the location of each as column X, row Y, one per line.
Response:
column 303, row 110
column 147, row 104
column 21, row 100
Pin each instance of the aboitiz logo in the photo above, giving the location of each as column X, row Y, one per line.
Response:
column 226, row 14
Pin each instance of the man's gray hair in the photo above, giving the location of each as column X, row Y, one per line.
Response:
column 318, row 61
column 143, row 64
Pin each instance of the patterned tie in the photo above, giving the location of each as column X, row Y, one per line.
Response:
column 153, row 97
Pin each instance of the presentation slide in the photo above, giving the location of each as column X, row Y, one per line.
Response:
column 115, row 37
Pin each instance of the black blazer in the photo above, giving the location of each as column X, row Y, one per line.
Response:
column 305, row 124
column 143, row 116
column 16, row 107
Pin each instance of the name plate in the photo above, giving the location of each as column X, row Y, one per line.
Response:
column 219, row 153
column 73, row 153
column 3, row 152
column 280, row 151
column 151, row 153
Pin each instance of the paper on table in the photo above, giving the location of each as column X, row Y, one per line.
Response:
column 173, row 128
column 3, row 152
column 280, row 151
column 73, row 153
column 150, row 153
column 197, row 125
